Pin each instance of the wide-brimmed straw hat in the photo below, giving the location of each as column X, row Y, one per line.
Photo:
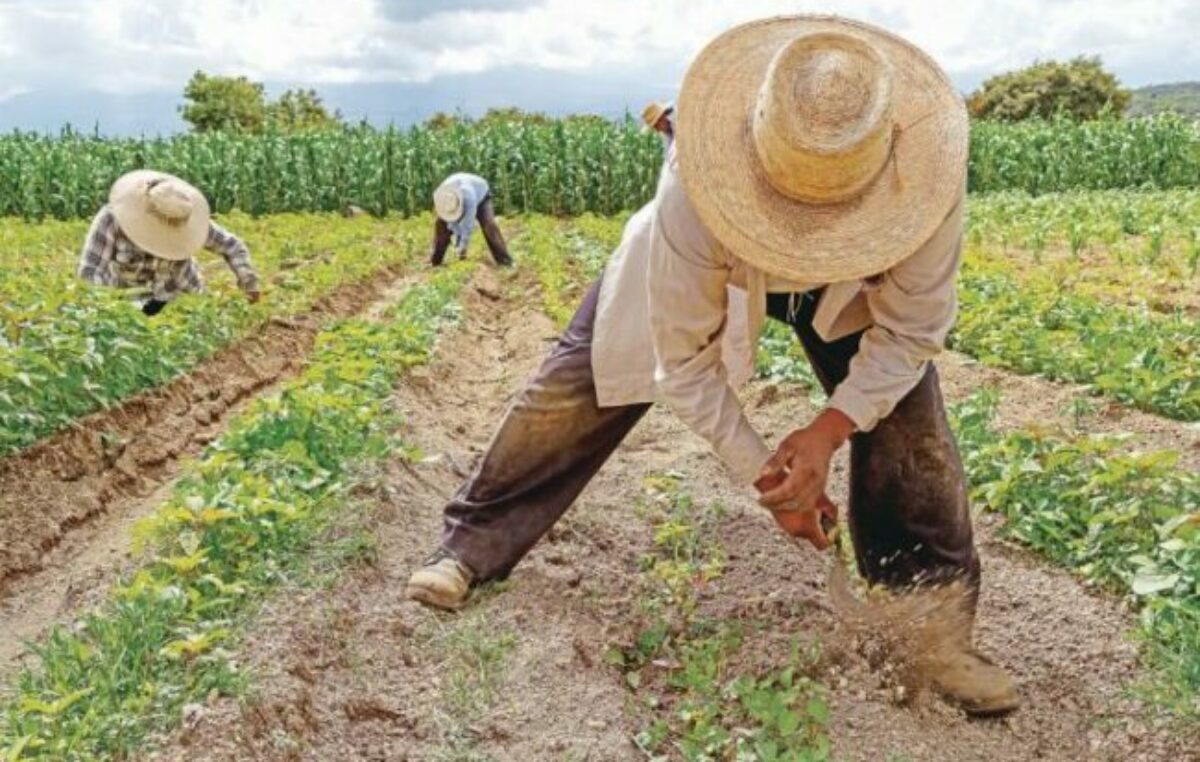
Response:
column 820, row 149
column 160, row 213
column 653, row 112
column 448, row 202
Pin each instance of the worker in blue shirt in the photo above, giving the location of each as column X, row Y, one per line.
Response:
column 460, row 201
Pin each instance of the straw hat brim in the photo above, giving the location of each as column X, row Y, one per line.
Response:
column 810, row 243
column 131, row 206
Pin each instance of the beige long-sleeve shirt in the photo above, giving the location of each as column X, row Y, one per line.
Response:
column 679, row 316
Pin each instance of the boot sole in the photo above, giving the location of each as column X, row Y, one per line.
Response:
column 996, row 710
column 433, row 598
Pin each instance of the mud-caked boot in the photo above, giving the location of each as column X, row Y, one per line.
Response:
column 444, row 582
column 971, row 681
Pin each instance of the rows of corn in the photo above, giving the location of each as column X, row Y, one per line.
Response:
column 565, row 167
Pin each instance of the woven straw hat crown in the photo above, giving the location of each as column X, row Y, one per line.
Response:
column 822, row 125
column 820, row 149
column 447, row 202
column 160, row 213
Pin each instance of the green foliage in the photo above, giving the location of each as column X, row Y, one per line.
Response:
column 1182, row 98
column 1079, row 89
column 780, row 357
column 68, row 349
column 238, row 105
column 223, row 103
column 237, row 525
column 1126, row 520
column 301, row 111
column 1034, row 326
column 563, row 167
column 683, row 666
column 1039, row 156
column 513, row 115
column 566, row 260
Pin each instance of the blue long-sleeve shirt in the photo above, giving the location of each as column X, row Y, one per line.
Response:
column 474, row 190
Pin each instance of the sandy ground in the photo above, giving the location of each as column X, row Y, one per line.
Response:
column 354, row 671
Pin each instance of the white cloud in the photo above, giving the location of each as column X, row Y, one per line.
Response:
column 12, row 91
column 139, row 45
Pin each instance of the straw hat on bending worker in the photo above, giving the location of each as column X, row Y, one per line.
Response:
column 147, row 235
column 820, row 150
column 458, row 203
column 161, row 214
column 660, row 118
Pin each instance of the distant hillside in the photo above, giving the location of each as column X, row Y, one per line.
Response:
column 1180, row 97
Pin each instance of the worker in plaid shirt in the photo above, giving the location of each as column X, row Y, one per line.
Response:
column 147, row 234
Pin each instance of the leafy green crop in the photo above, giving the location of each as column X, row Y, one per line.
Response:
column 681, row 666
column 68, row 349
column 1126, row 519
column 234, row 527
column 1137, row 357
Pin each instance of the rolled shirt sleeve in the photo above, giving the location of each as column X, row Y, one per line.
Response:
column 95, row 259
column 912, row 310
column 687, row 280
column 236, row 255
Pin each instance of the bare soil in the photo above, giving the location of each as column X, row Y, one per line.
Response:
column 68, row 503
column 355, row 671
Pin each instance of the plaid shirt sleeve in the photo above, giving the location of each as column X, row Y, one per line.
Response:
column 234, row 250
column 98, row 249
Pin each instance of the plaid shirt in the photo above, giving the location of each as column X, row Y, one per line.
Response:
column 109, row 258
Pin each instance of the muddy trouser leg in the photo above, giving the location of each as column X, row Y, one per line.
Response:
column 909, row 515
column 552, row 441
column 441, row 241
column 486, row 216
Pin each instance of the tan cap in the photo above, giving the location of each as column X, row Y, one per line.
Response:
column 820, row 149
column 160, row 213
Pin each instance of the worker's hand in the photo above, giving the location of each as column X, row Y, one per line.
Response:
column 819, row 526
column 253, row 296
column 798, row 470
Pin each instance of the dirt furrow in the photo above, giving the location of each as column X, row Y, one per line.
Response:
column 68, row 504
column 354, row 671
column 1038, row 402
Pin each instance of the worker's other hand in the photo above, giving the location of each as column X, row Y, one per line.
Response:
column 253, row 296
column 818, row 526
column 798, row 470
column 152, row 307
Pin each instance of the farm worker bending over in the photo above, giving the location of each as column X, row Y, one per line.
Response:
column 818, row 179
column 659, row 117
column 147, row 234
column 459, row 201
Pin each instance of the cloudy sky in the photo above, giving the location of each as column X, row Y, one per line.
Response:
column 147, row 46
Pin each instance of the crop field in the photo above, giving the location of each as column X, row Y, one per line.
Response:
column 566, row 167
column 206, row 520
